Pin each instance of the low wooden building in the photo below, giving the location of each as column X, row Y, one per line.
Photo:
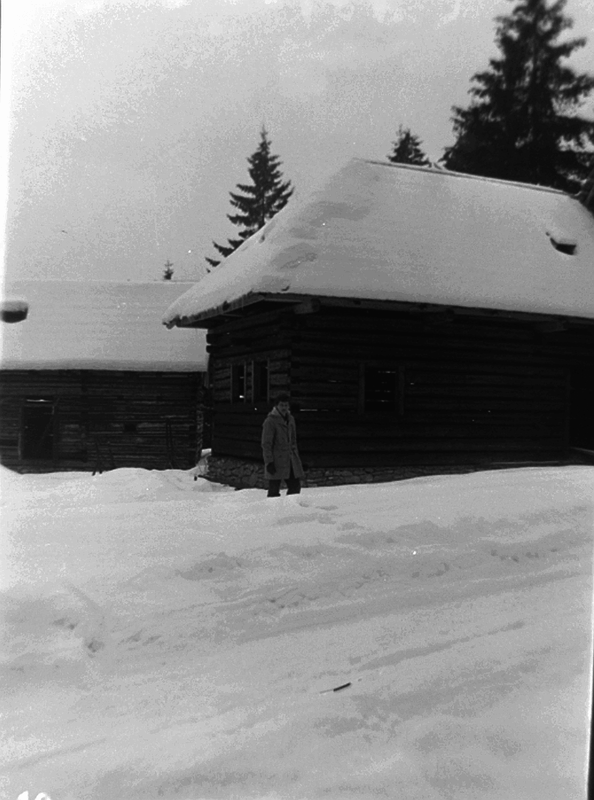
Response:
column 91, row 380
column 421, row 320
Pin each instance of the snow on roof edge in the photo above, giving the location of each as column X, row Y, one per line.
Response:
column 99, row 325
column 297, row 297
column 13, row 364
column 455, row 174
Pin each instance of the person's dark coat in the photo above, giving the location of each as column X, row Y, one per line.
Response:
column 279, row 445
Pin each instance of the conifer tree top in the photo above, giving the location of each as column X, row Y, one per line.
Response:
column 258, row 201
column 524, row 121
column 407, row 149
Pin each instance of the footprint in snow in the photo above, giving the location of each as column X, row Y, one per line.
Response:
column 323, row 519
column 305, row 504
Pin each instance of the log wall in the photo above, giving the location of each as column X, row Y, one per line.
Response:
column 131, row 419
column 468, row 389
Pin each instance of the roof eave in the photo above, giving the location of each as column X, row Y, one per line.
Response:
column 203, row 319
column 227, row 309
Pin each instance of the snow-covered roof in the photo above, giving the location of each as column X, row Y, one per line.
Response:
column 99, row 325
column 393, row 232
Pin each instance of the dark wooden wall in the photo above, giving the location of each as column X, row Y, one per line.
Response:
column 132, row 419
column 236, row 426
column 471, row 389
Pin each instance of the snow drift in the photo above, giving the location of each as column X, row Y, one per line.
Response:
column 169, row 638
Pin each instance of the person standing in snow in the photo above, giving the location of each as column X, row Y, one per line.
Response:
column 279, row 448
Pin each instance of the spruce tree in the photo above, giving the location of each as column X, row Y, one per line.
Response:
column 523, row 123
column 407, row 149
column 260, row 200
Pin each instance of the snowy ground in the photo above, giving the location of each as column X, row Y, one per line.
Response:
column 168, row 638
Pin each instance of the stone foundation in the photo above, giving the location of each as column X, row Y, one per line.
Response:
column 243, row 474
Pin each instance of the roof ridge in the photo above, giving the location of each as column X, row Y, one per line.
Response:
column 435, row 170
column 94, row 282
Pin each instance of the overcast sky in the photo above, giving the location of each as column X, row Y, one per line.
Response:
column 131, row 120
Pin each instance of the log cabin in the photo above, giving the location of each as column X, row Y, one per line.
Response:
column 90, row 380
column 421, row 320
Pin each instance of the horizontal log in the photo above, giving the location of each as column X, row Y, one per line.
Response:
column 249, row 416
column 447, row 404
column 241, row 410
column 425, row 334
column 418, row 325
column 238, row 448
column 460, row 361
column 324, row 390
column 436, row 407
column 418, row 392
column 455, row 359
column 278, row 378
column 429, row 412
column 40, row 389
column 408, row 347
column 112, row 380
column 430, row 444
column 247, row 322
column 427, row 364
column 271, row 332
column 329, row 372
column 358, row 424
column 447, row 460
column 222, row 370
column 317, row 404
column 445, row 377
column 414, row 391
column 342, row 433
column 308, row 433
column 222, row 384
column 243, row 350
column 271, row 353
column 141, row 394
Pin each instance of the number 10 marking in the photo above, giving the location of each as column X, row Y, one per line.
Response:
column 40, row 796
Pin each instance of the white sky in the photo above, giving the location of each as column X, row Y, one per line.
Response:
column 131, row 121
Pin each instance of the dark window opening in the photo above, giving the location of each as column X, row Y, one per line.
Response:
column 566, row 246
column 581, row 431
column 38, row 429
column 238, row 383
column 130, row 427
column 380, row 390
column 260, row 376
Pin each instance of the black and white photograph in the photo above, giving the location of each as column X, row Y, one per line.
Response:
column 296, row 399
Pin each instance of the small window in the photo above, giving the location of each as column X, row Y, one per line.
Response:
column 382, row 390
column 37, row 429
column 130, row 427
column 238, row 383
column 563, row 244
column 260, row 385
